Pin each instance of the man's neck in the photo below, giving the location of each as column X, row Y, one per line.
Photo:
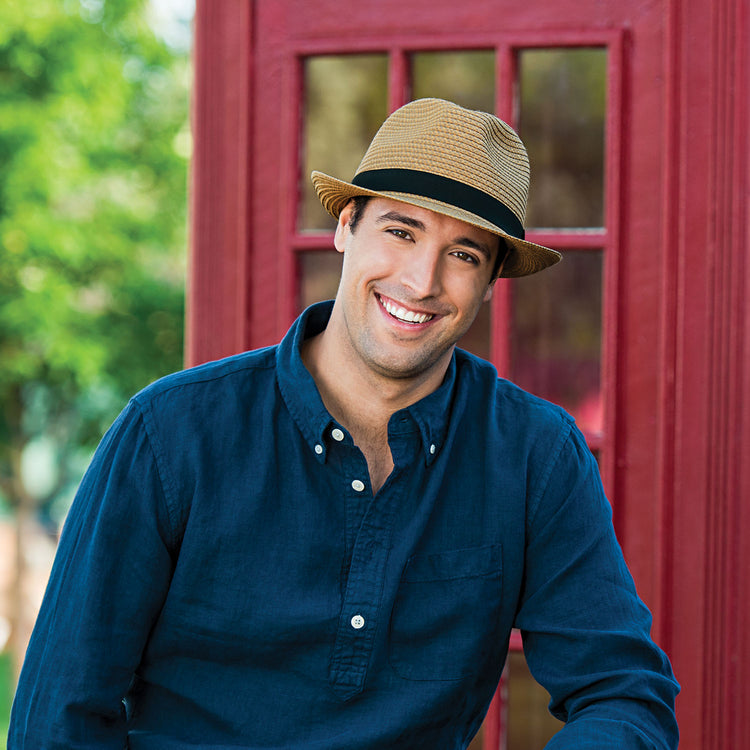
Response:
column 356, row 396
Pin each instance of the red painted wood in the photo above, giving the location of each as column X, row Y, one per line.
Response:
column 219, row 196
column 275, row 115
column 704, row 383
column 676, row 368
column 290, row 195
column 710, row 373
column 495, row 725
column 399, row 92
column 614, row 181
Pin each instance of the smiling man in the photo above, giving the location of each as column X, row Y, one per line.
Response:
column 325, row 544
column 411, row 285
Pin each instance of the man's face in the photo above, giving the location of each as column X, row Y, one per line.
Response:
column 411, row 285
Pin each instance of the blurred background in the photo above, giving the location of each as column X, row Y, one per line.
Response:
column 95, row 144
column 94, row 152
column 639, row 155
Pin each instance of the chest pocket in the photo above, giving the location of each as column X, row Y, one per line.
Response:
column 445, row 619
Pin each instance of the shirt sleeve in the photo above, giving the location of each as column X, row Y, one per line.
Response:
column 108, row 582
column 586, row 633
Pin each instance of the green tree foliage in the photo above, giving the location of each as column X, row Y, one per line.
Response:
column 93, row 140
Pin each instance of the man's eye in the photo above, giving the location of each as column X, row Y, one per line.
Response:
column 467, row 257
column 402, row 234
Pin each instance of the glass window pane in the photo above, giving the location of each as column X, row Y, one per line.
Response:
column 319, row 276
column 527, row 720
column 478, row 742
column 563, row 100
column 346, row 101
column 556, row 335
column 467, row 78
column 530, row 724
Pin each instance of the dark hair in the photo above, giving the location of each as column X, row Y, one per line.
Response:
column 360, row 202
column 503, row 251
column 358, row 208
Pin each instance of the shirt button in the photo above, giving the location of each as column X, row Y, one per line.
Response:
column 318, row 448
column 358, row 485
column 337, row 434
column 433, row 449
column 358, row 622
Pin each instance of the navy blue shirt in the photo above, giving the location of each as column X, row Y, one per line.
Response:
column 226, row 578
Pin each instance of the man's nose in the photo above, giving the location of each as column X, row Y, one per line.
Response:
column 422, row 273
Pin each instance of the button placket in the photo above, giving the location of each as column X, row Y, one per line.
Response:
column 370, row 525
column 358, row 621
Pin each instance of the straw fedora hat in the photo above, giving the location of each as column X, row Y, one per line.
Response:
column 459, row 162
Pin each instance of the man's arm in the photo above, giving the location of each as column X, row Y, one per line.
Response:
column 109, row 579
column 586, row 633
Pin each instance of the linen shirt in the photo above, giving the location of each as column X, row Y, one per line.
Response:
column 226, row 578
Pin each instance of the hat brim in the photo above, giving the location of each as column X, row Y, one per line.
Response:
column 524, row 258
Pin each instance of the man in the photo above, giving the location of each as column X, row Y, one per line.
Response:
column 325, row 544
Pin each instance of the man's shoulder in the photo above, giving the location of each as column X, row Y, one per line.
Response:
column 505, row 401
column 198, row 382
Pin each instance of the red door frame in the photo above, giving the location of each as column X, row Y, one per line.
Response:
column 680, row 478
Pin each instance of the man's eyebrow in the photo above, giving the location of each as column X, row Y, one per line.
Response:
column 409, row 221
column 478, row 246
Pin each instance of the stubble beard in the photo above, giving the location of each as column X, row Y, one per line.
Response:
column 393, row 362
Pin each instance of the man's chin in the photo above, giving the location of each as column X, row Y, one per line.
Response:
column 412, row 367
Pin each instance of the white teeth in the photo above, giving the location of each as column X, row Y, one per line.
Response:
column 407, row 316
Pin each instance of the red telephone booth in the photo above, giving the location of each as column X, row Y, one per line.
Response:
column 635, row 115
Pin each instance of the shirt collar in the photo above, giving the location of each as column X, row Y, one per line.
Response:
column 431, row 414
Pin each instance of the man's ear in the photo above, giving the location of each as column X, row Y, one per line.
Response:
column 490, row 289
column 342, row 228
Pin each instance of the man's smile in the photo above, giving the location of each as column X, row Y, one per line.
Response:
column 401, row 313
